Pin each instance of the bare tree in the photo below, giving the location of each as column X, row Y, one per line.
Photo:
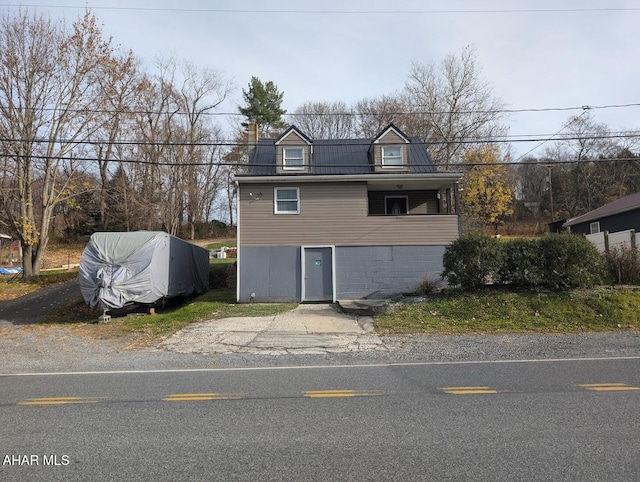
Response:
column 586, row 183
column 324, row 120
column 120, row 85
column 235, row 161
column 178, row 177
column 201, row 92
column 49, row 99
column 374, row 114
column 152, row 181
column 533, row 181
column 451, row 104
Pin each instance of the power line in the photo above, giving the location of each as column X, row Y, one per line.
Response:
column 335, row 12
column 334, row 142
column 550, row 138
column 324, row 166
column 338, row 114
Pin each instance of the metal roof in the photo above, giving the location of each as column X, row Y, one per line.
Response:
column 338, row 156
column 627, row 203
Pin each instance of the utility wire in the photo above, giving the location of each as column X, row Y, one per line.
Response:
column 541, row 138
column 334, row 12
column 324, row 166
column 337, row 114
column 541, row 143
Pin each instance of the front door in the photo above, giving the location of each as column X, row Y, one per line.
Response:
column 318, row 274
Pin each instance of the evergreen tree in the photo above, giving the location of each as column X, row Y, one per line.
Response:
column 263, row 106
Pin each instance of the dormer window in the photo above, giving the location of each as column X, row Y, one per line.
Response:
column 391, row 156
column 294, row 152
column 293, row 158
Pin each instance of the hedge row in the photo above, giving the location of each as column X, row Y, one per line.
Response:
column 554, row 261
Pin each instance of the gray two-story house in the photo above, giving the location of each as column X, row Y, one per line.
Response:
column 323, row 220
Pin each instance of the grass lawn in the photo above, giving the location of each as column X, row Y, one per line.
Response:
column 500, row 311
column 11, row 287
column 214, row 304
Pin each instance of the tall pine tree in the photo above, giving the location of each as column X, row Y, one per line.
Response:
column 263, row 106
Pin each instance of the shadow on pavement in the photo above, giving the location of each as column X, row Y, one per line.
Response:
column 33, row 307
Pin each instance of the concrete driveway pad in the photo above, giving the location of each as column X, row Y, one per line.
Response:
column 308, row 329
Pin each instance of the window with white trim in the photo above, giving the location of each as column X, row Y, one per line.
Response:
column 392, row 156
column 594, row 227
column 286, row 200
column 293, row 158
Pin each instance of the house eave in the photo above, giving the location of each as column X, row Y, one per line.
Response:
column 450, row 177
column 585, row 218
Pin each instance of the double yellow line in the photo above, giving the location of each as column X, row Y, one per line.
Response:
column 194, row 397
column 340, row 393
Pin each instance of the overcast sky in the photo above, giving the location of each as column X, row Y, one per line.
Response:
column 536, row 54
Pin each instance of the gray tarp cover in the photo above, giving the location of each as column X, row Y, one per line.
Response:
column 140, row 267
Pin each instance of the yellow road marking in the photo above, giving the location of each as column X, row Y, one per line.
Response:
column 59, row 400
column 608, row 387
column 194, row 397
column 340, row 393
column 468, row 390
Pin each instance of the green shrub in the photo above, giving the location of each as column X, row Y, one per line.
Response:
column 521, row 265
column 555, row 261
column 623, row 264
column 569, row 261
column 471, row 261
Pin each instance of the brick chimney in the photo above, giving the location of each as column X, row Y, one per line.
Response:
column 252, row 129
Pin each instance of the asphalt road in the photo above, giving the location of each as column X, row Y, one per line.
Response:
column 509, row 420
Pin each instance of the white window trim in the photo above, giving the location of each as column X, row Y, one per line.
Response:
column 392, row 166
column 406, row 198
column 595, row 225
column 284, row 159
column 275, row 200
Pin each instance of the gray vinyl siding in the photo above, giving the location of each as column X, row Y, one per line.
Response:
column 333, row 214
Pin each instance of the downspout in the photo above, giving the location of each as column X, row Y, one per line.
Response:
column 456, row 191
column 237, row 186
